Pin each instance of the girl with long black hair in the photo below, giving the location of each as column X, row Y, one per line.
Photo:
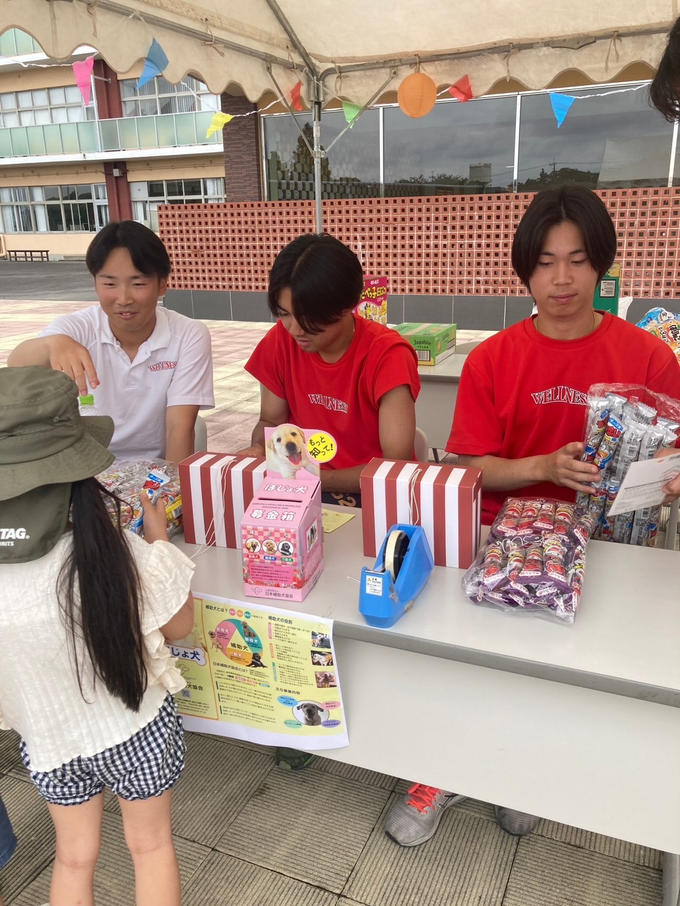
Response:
column 85, row 610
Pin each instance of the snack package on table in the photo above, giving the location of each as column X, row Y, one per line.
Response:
column 126, row 479
column 665, row 325
column 534, row 558
column 625, row 424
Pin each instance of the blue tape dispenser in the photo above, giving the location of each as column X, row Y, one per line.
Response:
column 403, row 567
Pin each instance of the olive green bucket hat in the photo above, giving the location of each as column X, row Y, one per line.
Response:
column 45, row 445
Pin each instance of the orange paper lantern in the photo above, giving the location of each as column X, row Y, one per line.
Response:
column 417, row 94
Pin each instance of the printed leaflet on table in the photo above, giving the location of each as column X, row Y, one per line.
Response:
column 260, row 673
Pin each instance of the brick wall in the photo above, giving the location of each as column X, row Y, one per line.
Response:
column 457, row 244
column 241, row 151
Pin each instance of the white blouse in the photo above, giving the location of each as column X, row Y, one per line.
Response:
column 39, row 693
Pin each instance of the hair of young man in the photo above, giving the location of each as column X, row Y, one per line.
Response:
column 324, row 277
column 148, row 253
column 664, row 92
column 550, row 207
column 99, row 593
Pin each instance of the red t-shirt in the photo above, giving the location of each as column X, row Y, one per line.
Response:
column 343, row 397
column 523, row 394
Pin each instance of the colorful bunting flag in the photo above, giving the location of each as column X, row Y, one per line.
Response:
column 560, row 105
column 218, row 121
column 462, row 89
column 351, row 112
column 155, row 63
column 82, row 70
column 295, row 96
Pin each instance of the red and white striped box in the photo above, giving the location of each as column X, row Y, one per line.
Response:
column 216, row 489
column 446, row 500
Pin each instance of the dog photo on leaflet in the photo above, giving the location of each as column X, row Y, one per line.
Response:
column 310, row 714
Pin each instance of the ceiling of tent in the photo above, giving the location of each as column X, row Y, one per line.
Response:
column 354, row 49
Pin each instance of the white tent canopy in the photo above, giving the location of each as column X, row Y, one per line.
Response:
column 355, row 48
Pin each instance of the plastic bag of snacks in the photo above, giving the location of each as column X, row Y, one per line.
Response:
column 534, row 558
column 159, row 479
column 625, row 424
column 664, row 325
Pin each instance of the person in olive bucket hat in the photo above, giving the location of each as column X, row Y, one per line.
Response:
column 85, row 609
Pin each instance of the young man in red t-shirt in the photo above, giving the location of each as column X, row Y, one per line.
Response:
column 323, row 367
column 521, row 405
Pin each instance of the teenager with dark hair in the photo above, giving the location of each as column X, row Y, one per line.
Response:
column 85, row 677
column 520, row 410
column 321, row 366
column 664, row 92
column 147, row 367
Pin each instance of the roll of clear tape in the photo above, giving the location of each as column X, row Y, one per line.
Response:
column 395, row 551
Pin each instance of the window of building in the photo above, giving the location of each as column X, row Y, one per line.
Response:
column 44, row 105
column 147, row 196
column 46, row 209
column 351, row 168
column 609, row 139
column 160, row 96
column 457, row 148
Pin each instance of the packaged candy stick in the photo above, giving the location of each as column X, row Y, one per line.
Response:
column 641, row 524
column 493, row 560
column 645, row 414
column 533, row 563
column 511, row 515
column 670, row 431
column 616, row 403
column 607, row 524
column 516, row 557
column 605, row 451
column 597, row 423
column 628, row 448
column 564, row 517
column 584, row 527
column 651, row 442
column 545, row 521
column 530, row 511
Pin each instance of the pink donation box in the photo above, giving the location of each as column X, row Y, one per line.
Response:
column 282, row 538
column 216, row 489
column 445, row 500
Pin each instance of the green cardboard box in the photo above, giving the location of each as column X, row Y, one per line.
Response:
column 607, row 290
column 428, row 340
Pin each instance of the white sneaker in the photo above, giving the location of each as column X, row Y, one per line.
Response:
column 415, row 817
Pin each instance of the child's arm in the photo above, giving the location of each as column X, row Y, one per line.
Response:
column 182, row 623
column 273, row 412
column 156, row 529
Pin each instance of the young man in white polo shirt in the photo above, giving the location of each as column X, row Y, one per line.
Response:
column 149, row 368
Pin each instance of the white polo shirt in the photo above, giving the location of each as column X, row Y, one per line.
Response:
column 172, row 368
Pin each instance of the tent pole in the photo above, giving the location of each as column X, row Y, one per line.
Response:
column 318, row 153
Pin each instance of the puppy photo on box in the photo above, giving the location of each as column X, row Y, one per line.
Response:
column 287, row 455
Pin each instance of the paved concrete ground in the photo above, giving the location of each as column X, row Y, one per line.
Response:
column 250, row 834
column 49, row 280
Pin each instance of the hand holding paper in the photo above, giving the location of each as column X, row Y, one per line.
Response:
column 648, row 483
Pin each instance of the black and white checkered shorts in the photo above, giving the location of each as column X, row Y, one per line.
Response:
column 147, row 764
